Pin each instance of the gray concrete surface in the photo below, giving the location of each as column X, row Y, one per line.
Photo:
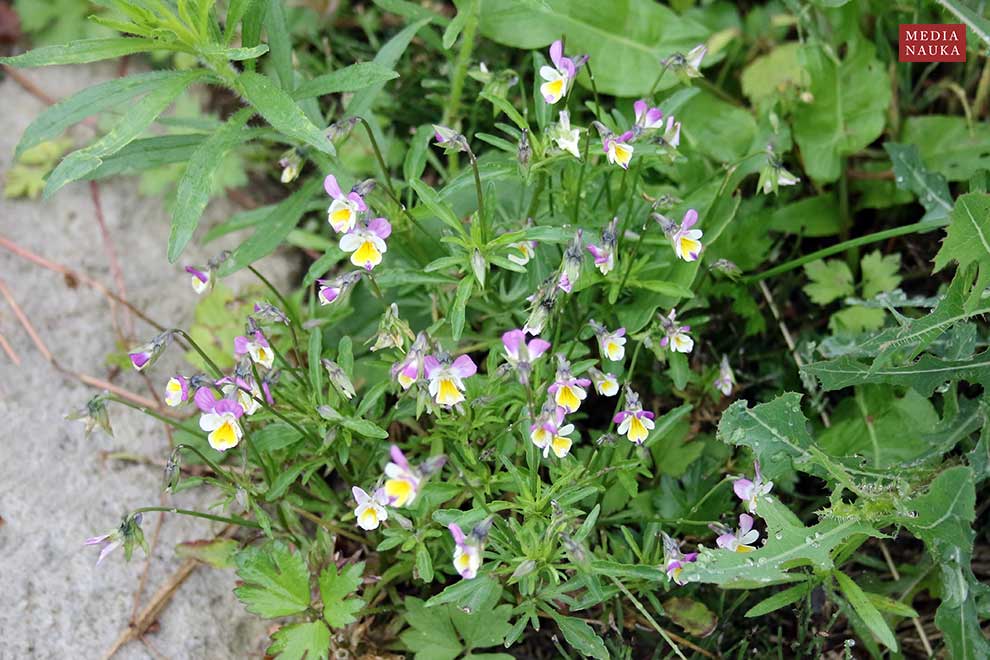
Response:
column 55, row 489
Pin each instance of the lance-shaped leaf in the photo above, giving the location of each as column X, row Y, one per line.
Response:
column 776, row 431
column 924, row 375
column 911, row 174
column 279, row 110
column 84, row 51
column 789, row 544
column 348, row 79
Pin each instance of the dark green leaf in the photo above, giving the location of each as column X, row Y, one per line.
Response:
column 279, row 110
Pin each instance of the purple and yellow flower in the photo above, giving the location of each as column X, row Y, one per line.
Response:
column 411, row 368
column 570, row 265
column 402, row 482
column 606, row 384
column 467, row 550
column 671, row 134
column 291, row 164
column 244, row 390
column 257, row 347
column 366, row 243
column 370, row 511
column 647, row 118
column 742, row 539
column 686, row 241
column 674, row 559
column 565, row 137
column 618, row 150
column 559, row 76
column 176, row 391
column 330, row 290
column 550, row 433
column 148, row 354
column 750, row 491
column 604, row 254
column 200, row 278
column 568, row 392
column 344, row 209
column 726, row 379
column 222, row 423
column 612, row 345
column 675, row 336
column 447, row 378
column 521, row 354
column 634, row 422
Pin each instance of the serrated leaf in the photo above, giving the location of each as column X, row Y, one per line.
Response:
column 866, row 610
column 830, row 280
column 776, row 432
column 84, row 51
column 276, row 580
column 301, row 640
column 431, row 634
column 879, row 273
column 196, row 183
column 967, row 238
column 924, row 375
column 949, row 145
column 279, row 110
column 911, row 174
column 335, row 588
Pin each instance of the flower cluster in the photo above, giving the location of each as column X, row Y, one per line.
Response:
column 402, row 484
column 362, row 237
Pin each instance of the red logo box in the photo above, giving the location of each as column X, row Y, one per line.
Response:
column 931, row 42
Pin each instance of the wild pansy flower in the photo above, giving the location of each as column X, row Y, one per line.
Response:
column 366, row 243
column 618, row 149
column 370, row 510
column 565, row 137
column 257, row 347
column 403, row 480
column 570, row 265
column 688, row 66
column 127, row 535
column 243, row 389
column 176, row 391
column 634, row 422
column 686, row 241
column 541, row 305
column 558, row 76
column 447, row 378
column 148, row 354
column 647, row 118
column 520, row 253
column 450, row 140
column 222, row 423
column 726, row 379
column 671, row 137
column 604, row 254
column 521, row 354
column 339, row 378
column 542, row 429
column 331, row 290
column 291, row 164
column 611, row 344
column 674, row 559
column 675, row 336
column 742, row 539
column 467, row 548
column 551, row 434
column 392, row 330
column 749, row 491
column 201, row 278
column 344, row 209
column 773, row 175
column 94, row 415
column 568, row 392
column 411, row 368
column 605, row 384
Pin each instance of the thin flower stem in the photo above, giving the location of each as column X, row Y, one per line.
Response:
column 580, row 181
column 656, row 83
column 481, row 197
column 270, row 408
column 294, row 320
column 594, row 90
column 243, row 522
column 174, row 423
column 648, row 617
column 213, row 466
column 206, row 358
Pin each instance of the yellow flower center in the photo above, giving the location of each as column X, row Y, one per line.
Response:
column 447, row 393
column 463, row 561
column 744, row 548
column 367, row 254
column 400, row 491
column 637, row 430
column 224, row 437
column 622, row 154
column 554, row 89
column 689, row 246
column 561, row 446
column 368, row 518
column 567, row 398
column 341, row 217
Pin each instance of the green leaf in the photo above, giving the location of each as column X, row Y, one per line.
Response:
column 780, row 599
column 790, row 545
column 694, row 617
column 581, row 637
column 830, row 280
column 431, row 634
column 83, row 161
column 349, row 79
column 415, row 160
column 967, row 238
column 776, row 432
column 335, row 589
column 276, row 226
column 974, row 21
column 813, row 216
column 85, row 50
column 276, row 580
column 866, row 610
column 440, row 208
column 148, row 153
column 364, row 427
column 281, row 43
column 464, row 289
column 301, row 640
column 924, row 375
column 218, row 553
column 279, row 110
column 880, row 273
column 949, row 145
column 470, row 595
column 848, row 111
column 911, row 174
column 629, row 37
column 456, row 25
column 110, row 94
column 197, row 181
column 718, row 128
column 767, row 76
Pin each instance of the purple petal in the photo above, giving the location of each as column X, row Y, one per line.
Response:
column 205, row 400
column 725, row 540
column 595, row 252
column 742, row 488
column 583, row 382
column 464, row 367
column 455, row 531
column 139, row 359
column 745, row 524
column 690, row 218
column 511, row 341
column 228, row 406
column 96, row 539
column 566, row 65
column 639, row 107
column 537, row 347
column 646, row 414
column 625, row 137
column 398, row 457
column 240, row 345
column 259, row 338
column 268, row 393
column 621, row 332
column 198, row 274
column 691, row 556
column 332, row 188
column 556, row 51
column 430, row 365
column 654, row 115
column 618, row 419
column 380, row 227
column 358, row 200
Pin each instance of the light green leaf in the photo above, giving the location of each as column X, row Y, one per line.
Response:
column 197, row 180
column 848, row 111
column 281, row 43
column 218, row 553
column 924, row 375
column 949, row 145
column 279, row 110
column 348, row 79
column 717, row 128
column 880, row 273
column 830, row 280
column 440, row 208
column 301, row 640
column 464, row 289
column 83, row 161
column 780, row 599
column 967, row 238
column 471, row 595
column 149, row 153
column 336, row 589
column 86, row 50
column 911, row 174
column 691, row 615
column 767, row 76
column 456, row 25
column 776, row 432
column 431, row 634
column 581, row 637
column 630, row 37
column 276, row 580
column 387, row 58
column 866, row 610
column 812, row 216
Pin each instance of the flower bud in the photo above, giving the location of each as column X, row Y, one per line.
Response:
column 480, row 267
column 341, row 128
column 364, row 188
column 524, row 152
column 94, row 415
column 172, row 473
column 338, row 378
column 291, row 163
